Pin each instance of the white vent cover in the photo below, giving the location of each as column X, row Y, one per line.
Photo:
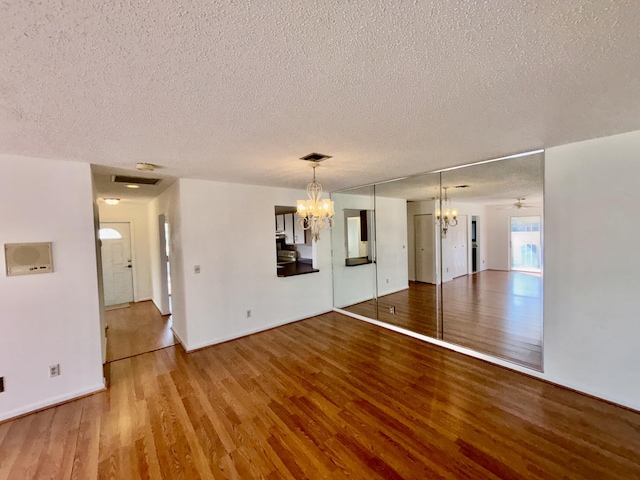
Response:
column 28, row 258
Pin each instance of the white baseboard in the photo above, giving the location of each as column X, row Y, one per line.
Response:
column 184, row 345
column 67, row 397
column 395, row 290
column 244, row 333
column 358, row 300
column 158, row 307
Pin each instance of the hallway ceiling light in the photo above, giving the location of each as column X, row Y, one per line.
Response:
column 315, row 212
column 111, row 201
column 145, row 167
column 133, row 186
column 446, row 215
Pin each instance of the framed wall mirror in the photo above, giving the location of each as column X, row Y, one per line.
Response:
column 458, row 256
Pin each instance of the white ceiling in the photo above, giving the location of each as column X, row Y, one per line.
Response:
column 494, row 183
column 239, row 90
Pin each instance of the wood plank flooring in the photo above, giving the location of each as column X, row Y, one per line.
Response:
column 495, row 312
column 326, row 397
column 137, row 329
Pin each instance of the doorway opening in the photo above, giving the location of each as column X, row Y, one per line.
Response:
column 525, row 244
column 164, row 231
column 475, row 243
column 133, row 327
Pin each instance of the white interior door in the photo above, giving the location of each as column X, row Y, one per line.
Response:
column 116, row 263
column 460, row 251
column 424, row 248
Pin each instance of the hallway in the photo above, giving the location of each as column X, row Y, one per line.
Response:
column 137, row 329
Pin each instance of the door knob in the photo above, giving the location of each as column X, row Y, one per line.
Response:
column 129, row 266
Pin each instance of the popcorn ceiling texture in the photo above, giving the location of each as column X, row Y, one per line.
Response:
column 238, row 90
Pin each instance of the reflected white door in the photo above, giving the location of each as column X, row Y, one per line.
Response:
column 455, row 251
column 353, row 234
column 424, row 248
column 116, row 263
column 460, row 247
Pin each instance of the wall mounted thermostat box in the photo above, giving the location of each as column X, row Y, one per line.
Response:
column 28, row 258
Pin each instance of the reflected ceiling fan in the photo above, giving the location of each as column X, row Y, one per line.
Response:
column 518, row 205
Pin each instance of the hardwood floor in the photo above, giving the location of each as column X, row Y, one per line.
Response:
column 495, row 312
column 137, row 329
column 326, row 397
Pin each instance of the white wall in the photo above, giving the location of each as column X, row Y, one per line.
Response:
column 49, row 318
column 137, row 214
column 228, row 230
column 357, row 283
column 484, row 239
column 97, row 242
column 591, row 276
column 499, row 222
column 391, row 245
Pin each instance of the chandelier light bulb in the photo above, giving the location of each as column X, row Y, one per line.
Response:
column 315, row 213
column 447, row 217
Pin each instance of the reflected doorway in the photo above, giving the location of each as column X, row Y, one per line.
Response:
column 425, row 254
column 525, row 244
column 475, row 257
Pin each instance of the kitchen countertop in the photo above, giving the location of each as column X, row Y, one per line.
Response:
column 295, row 268
column 354, row 262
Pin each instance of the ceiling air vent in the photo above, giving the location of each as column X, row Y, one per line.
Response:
column 135, row 180
column 315, row 157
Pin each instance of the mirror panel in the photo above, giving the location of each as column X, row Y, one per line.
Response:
column 492, row 257
column 354, row 276
column 408, row 263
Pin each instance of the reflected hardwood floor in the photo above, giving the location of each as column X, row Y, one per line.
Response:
column 137, row 329
column 326, row 397
column 495, row 312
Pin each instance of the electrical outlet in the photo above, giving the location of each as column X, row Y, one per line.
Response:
column 196, row 269
column 1, row 384
column 387, row 280
column 392, row 310
column 248, row 313
column 54, row 370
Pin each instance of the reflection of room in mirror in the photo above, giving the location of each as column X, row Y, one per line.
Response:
column 480, row 285
column 353, row 277
column 357, row 231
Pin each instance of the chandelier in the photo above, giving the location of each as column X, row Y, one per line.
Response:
column 315, row 213
column 446, row 215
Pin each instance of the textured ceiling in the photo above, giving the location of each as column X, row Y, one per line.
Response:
column 239, row 90
column 494, row 183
